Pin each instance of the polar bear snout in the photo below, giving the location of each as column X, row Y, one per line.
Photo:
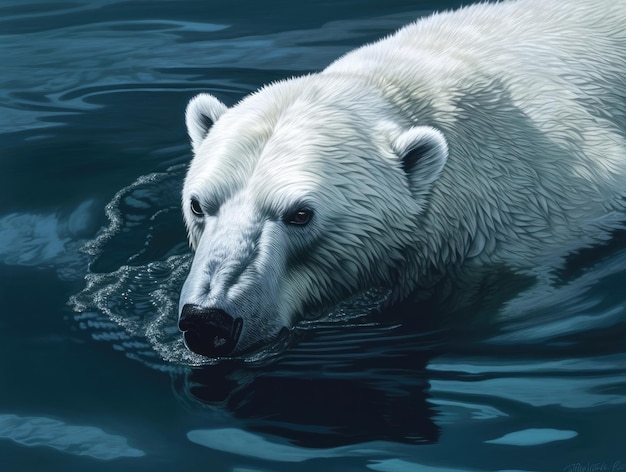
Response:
column 208, row 331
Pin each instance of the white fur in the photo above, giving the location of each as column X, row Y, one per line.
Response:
column 518, row 108
column 202, row 111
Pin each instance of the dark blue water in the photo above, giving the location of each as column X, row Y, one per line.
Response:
column 92, row 255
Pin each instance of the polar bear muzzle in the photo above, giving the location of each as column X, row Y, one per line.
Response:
column 209, row 332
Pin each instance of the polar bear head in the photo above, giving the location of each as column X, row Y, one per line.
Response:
column 303, row 194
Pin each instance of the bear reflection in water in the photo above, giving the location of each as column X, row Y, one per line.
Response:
column 337, row 411
column 381, row 395
column 493, row 136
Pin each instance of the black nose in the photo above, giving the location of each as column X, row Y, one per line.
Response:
column 208, row 331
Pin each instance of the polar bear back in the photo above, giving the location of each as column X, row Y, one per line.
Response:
column 531, row 96
column 520, row 37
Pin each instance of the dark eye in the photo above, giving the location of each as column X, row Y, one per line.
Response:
column 196, row 208
column 299, row 217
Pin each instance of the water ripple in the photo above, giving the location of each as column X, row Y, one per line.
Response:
column 79, row 440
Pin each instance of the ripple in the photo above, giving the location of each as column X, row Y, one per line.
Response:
column 89, row 49
column 78, row 440
column 48, row 240
column 243, row 443
column 534, row 437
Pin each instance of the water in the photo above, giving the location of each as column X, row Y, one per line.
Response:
column 92, row 255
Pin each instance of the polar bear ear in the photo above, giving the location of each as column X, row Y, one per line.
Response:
column 202, row 111
column 424, row 152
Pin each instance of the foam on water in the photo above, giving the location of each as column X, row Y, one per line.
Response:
column 138, row 265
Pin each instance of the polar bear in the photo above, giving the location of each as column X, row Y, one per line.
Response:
column 492, row 136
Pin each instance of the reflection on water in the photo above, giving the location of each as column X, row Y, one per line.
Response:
column 229, row 440
column 566, row 388
column 47, row 240
column 534, row 437
column 80, row 440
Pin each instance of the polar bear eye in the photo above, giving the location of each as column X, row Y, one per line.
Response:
column 299, row 217
column 196, row 209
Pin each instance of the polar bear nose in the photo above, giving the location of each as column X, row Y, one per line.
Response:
column 209, row 331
